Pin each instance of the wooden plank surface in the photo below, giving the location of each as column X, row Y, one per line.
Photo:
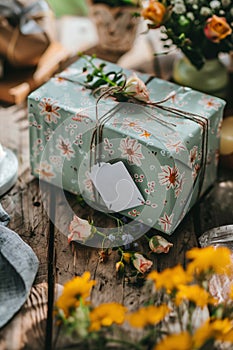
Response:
column 30, row 220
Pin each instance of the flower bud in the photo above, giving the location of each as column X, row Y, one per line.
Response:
column 135, row 87
column 141, row 263
column 158, row 245
column 127, row 257
column 217, row 28
column 80, row 230
column 120, row 268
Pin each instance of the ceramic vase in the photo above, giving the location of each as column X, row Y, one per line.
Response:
column 212, row 78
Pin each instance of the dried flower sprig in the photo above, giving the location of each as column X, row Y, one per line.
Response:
column 113, row 83
column 81, row 230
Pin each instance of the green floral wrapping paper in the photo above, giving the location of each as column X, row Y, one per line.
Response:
column 162, row 151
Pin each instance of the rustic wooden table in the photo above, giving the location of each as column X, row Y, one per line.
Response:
column 59, row 261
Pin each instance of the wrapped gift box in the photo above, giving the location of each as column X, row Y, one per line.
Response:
column 170, row 156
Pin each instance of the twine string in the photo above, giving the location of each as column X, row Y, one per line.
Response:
column 97, row 135
column 113, row 91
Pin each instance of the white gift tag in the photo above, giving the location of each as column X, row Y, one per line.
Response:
column 115, row 186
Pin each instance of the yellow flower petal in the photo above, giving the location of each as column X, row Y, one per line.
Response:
column 211, row 259
column 182, row 341
column 105, row 315
column 218, row 329
column 149, row 315
column 194, row 293
column 170, row 278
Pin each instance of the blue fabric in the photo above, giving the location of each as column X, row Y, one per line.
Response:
column 18, row 268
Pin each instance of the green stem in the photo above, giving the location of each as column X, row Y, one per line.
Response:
column 109, row 81
column 122, row 252
column 100, row 234
column 100, row 74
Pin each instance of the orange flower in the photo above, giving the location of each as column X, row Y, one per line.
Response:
column 155, row 12
column 217, row 29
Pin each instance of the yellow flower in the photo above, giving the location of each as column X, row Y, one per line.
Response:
column 218, row 329
column 170, row 278
column 194, row 293
column 209, row 259
column 105, row 315
column 182, row 341
column 231, row 292
column 127, row 257
column 149, row 315
column 78, row 287
column 155, row 12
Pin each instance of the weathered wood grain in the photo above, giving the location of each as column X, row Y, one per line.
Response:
column 27, row 329
column 29, row 218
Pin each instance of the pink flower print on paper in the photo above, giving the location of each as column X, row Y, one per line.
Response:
column 131, row 149
column 178, row 100
column 50, row 110
column 166, row 222
column 78, row 139
column 108, row 146
column 138, row 177
column 65, row 148
column 88, row 182
column 180, row 185
column 150, row 187
column 193, row 155
column 209, row 103
column 134, row 213
column 56, row 161
column 195, row 171
column 169, row 176
column 131, row 124
column 80, row 117
column 45, row 171
column 175, row 146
